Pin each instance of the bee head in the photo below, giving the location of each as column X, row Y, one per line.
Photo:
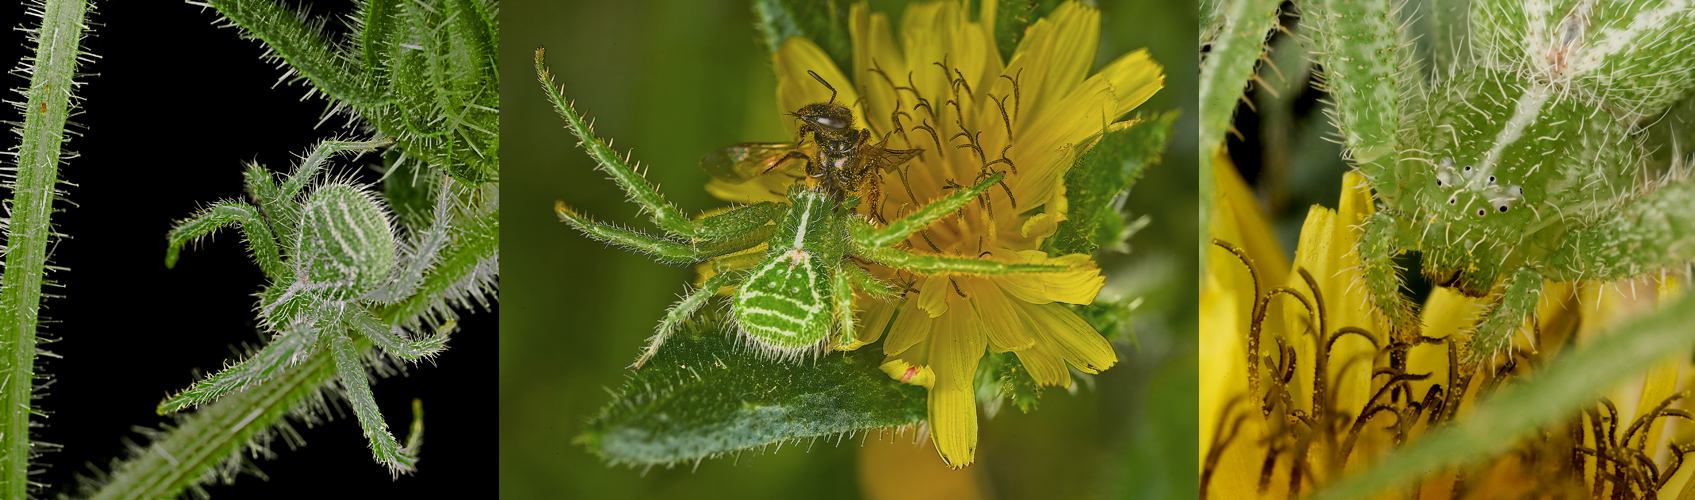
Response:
column 827, row 118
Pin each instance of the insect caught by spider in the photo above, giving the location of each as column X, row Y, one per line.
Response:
column 796, row 265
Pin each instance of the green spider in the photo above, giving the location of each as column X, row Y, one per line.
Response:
column 331, row 256
column 793, row 295
column 1524, row 160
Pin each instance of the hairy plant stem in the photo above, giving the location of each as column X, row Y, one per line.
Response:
column 192, row 452
column 46, row 106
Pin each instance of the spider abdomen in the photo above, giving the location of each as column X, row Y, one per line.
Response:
column 346, row 246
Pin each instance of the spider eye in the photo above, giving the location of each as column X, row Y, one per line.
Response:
column 1491, row 179
column 1503, row 208
column 1480, row 212
column 1515, row 191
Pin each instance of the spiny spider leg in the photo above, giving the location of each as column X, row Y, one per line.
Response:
column 841, row 291
column 1377, row 248
column 1650, row 232
column 902, row 228
column 294, row 343
column 935, row 264
column 863, row 280
column 1519, row 294
column 680, row 312
column 309, row 166
column 393, row 339
column 637, row 188
column 425, row 246
column 350, row 370
column 258, row 235
column 669, row 251
column 741, row 219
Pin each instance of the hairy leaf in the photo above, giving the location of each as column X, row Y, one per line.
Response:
column 822, row 22
column 1013, row 16
column 702, row 396
column 1102, row 173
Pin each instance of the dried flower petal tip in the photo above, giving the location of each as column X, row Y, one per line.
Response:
column 346, row 242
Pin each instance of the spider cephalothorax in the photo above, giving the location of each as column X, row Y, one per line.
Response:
column 797, row 292
column 1524, row 160
column 331, row 254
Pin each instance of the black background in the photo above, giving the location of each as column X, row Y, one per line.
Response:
column 171, row 108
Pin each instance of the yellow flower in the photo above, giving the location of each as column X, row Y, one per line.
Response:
column 1321, row 361
column 946, row 90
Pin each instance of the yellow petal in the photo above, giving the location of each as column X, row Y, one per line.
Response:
column 1045, row 367
column 911, row 326
column 876, row 319
column 1077, row 285
column 1084, row 112
column 796, row 89
column 954, row 353
column 878, row 65
column 1076, row 341
column 933, row 295
column 1055, row 54
column 1223, row 370
column 1006, row 331
column 908, row 373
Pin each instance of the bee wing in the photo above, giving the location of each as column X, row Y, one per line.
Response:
column 878, row 158
column 741, row 162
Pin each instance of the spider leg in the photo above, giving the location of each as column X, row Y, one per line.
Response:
column 297, row 342
column 258, row 235
column 1377, row 249
column 938, row 264
column 309, row 166
column 393, row 339
column 741, row 219
column 661, row 249
column 635, row 186
column 900, row 229
column 675, row 252
column 350, row 370
column 841, row 297
column 1517, row 300
column 1650, row 232
column 681, row 311
column 422, row 250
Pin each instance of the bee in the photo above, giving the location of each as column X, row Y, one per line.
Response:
column 844, row 161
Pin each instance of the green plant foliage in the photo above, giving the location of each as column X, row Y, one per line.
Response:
column 361, row 281
column 1102, row 176
column 47, row 102
column 702, row 397
column 421, row 73
column 823, row 22
column 1013, row 16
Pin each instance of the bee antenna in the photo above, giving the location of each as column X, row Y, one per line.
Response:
column 824, row 83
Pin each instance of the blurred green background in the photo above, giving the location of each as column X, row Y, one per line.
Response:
column 676, row 78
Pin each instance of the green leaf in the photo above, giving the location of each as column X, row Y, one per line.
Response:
column 703, row 396
column 1002, row 378
column 1013, row 16
column 823, row 22
column 1518, row 411
column 1102, row 173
